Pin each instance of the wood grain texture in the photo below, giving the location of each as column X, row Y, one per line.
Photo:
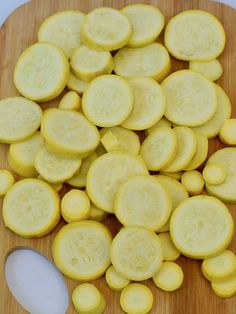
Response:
column 19, row 31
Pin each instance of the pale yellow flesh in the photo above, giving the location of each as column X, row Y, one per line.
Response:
column 75, row 84
column 6, row 181
column 110, row 142
column 227, row 132
column 136, row 298
column 225, row 288
column 193, row 182
column 142, row 201
column 163, row 122
column 190, row 98
column 147, row 23
column 170, row 277
column 150, row 61
column 170, row 253
column 214, row 174
column 136, row 253
column 70, row 101
column 105, row 29
column 195, row 35
column 210, row 69
column 115, row 281
column 195, row 225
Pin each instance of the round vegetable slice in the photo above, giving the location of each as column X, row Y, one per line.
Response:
column 223, row 111
column 106, row 174
column 63, row 30
column 210, row 69
column 128, row 140
column 170, row 277
column 75, row 206
column 81, row 250
column 159, row 148
column 110, row 142
column 193, row 182
column 53, row 168
column 148, row 106
column 31, row 208
column 75, row 84
column 19, row 119
column 96, row 213
column 136, row 253
column 225, row 191
column 41, row 72
column 201, row 151
column 190, row 98
column 87, row 63
column 152, row 61
column 147, row 23
column 136, row 299
column 106, row 29
column 163, row 122
column 195, row 35
column 220, row 266
column 186, row 148
column 70, row 101
column 225, row 288
column 142, row 201
column 21, row 155
column 170, row 253
column 115, row 281
column 87, row 299
column 227, row 132
column 107, row 101
column 79, row 178
column 6, row 181
column 69, row 133
column 214, row 174
column 201, row 227
column 177, row 193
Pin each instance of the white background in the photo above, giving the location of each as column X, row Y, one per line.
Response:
column 8, row 6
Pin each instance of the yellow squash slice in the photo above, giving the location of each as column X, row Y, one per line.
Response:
column 142, row 201
column 128, row 140
column 201, row 151
column 107, row 101
column 81, row 250
column 225, row 191
column 136, row 253
column 96, row 213
column 186, row 148
column 225, row 288
column 106, row 29
column 201, row 227
column 170, row 253
column 163, row 122
column 69, row 133
column 115, row 281
column 210, row 69
column 152, row 61
column 79, row 178
column 136, row 299
column 110, row 142
column 70, row 101
column 75, row 84
column 193, row 182
column 63, row 30
column 170, row 277
column 19, row 119
column 21, row 155
column 87, row 299
column 41, row 72
column 195, row 35
column 159, row 148
column 177, row 193
column 190, row 98
column 223, row 111
column 53, row 168
column 219, row 267
column 106, row 174
column 214, row 174
column 87, row 63
column 147, row 23
column 31, row 208
column 149, row 103
column 6, row 181
column 227, row 132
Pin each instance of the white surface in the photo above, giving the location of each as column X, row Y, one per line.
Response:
column 36, row 283
column 8, row 6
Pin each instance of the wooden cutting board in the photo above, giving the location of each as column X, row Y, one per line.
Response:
column 20, row 31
